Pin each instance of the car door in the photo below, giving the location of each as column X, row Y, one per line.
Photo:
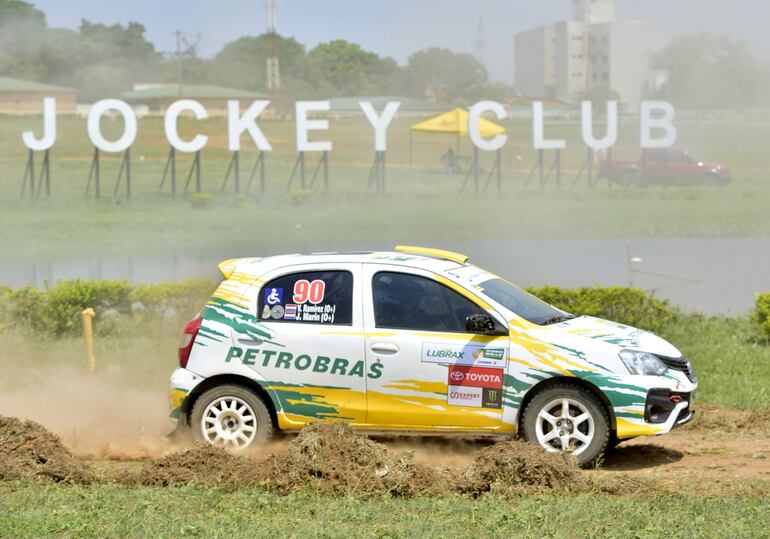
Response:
column 314, row 365
column 430, row 373
column 679, row 169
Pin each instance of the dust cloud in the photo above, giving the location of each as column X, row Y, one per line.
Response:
column 96, row 416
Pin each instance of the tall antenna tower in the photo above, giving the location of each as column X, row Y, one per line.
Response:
column 271, row 63
column 480, row 43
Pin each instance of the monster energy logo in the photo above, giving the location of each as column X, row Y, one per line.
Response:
column 491, row 398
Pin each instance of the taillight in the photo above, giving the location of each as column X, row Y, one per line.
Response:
column 188, row 338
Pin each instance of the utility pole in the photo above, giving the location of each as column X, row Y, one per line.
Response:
column 480, row 43
column 178, row 35
column 273, row 71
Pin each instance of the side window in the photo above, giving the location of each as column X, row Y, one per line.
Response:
column 655, row 156
column 316, row 297
column 403, row 301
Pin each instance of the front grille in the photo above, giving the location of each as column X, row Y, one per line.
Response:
column 680, row 364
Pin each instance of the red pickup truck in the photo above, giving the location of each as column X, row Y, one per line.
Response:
column 666, row 167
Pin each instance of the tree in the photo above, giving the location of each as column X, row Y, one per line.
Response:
column 15, row 13
column 445, row 75
column 241, row 63
column 99, row 60
column 21, row 28
column 344, row 68
column 708, row 71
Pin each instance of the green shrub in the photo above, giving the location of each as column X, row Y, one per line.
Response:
column 5, row 306
column 185, row 297
column 24, row 306
column 761, row 313
column 56, row 310
column 623, row 305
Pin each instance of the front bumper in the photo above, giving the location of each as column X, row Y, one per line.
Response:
column 651, row 405
column 660, row 405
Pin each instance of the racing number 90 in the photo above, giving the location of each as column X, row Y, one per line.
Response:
column 305, row 291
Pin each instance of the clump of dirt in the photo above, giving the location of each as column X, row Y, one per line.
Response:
column 203, row 464
column 30, row 452
column 329, row 458
column 515, row 467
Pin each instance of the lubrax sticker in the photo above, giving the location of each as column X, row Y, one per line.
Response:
column 476, row 355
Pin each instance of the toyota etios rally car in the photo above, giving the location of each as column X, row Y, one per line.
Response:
column 416, row 341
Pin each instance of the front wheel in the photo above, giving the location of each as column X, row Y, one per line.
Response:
column 568, row 418
column 231, row 417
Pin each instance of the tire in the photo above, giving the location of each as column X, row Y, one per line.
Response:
column 232, row 417
column 586, row 440
column 614, row 442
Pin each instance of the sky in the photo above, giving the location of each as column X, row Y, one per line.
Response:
column 397, row 28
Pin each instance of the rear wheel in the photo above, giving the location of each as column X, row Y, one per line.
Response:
column 231, row 417
column 568, row 418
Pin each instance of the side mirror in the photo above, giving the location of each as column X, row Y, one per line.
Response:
column 481, row 324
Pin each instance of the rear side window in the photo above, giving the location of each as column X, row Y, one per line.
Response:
column 316, row 297
column 403, row 301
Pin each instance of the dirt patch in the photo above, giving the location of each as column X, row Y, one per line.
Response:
column 627, row 458
column 203, row 464
column 715, row 419
column 30, row 452
column 515, row 467
column 329, row 458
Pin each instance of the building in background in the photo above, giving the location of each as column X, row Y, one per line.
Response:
column 591, row 52
column 156, row 98
column 26, row 97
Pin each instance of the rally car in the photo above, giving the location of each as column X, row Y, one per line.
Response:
column 416, row 341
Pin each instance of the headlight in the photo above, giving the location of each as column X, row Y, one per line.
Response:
column 642, row 363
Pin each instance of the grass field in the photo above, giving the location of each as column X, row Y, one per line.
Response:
column 421, row 204
column 115, row 511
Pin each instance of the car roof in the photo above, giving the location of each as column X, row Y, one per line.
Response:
column 258, row 266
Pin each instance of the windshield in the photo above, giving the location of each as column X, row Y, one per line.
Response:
column 523, row 303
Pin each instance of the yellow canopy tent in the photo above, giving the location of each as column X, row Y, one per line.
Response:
column 454, row 122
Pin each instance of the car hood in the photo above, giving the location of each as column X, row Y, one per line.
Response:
column 622, row 336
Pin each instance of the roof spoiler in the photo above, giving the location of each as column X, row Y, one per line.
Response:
column 435, row 253
column 227, row 267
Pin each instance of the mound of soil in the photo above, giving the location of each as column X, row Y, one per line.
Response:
column 329, row 458
column 203, row 464
column 515, row 467
column 30, row 452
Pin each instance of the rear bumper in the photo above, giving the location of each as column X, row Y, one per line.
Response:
column 180, row 385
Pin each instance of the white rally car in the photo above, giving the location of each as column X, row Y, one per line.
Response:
column 416, row 341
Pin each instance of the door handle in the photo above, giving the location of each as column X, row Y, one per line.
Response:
column 384, row 348
column 249, row 341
